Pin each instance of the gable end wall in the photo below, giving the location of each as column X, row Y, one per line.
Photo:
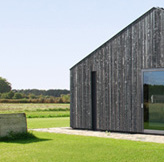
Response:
column 118, row 65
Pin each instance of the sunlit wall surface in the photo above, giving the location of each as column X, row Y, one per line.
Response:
column 153, row 91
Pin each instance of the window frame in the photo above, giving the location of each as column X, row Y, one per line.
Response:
column 149, row 131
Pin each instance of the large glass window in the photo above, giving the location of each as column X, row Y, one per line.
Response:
column 153, row 91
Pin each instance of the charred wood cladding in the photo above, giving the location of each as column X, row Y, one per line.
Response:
column 107, row 86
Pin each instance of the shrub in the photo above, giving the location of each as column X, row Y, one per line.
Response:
column 17, row 96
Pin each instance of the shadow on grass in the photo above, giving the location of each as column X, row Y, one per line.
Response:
column 22, row 138
column 26, row 141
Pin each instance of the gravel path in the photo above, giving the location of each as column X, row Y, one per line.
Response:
column 133, row 137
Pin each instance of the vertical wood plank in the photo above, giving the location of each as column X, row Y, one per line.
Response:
column 118, row 65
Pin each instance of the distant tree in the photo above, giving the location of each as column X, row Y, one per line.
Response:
column 4, row 96
column 17, row 96
column 37, row 92
column 5, row 86
column 32, row 96
column 66, row 98
column 10, row 94
column 7, row 95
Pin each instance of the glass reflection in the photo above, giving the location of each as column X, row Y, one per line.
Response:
column 153, row 100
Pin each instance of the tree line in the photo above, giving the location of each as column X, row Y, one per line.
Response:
column 37, row 92
column 7, row 95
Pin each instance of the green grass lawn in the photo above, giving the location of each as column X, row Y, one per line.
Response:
column 70, row 148
column 47, row 114
column 48, row 122
column 42, row 114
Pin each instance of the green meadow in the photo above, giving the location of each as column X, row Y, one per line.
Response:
column 37, row 110
column 48, row 122
column 51, row 147
column 19, row 107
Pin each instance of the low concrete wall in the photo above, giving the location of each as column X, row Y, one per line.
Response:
column 15, row 123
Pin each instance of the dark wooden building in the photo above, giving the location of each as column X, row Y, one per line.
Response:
column 114, row 86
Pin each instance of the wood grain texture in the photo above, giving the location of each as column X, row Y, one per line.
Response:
column 118, row 64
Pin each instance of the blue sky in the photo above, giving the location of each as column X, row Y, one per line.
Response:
column 40, row 40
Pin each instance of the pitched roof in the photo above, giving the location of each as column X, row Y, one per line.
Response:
column 134, row 22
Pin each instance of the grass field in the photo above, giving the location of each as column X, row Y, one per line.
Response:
column 70, row 148
column 48, row 122
column 17, row 107
column 37, row 110
column 52, row 147
column 48, row 114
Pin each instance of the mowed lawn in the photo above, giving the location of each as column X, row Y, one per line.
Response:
column 50, row 147
column 48, row 122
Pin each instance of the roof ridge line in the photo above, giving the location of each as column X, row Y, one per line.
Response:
column 113, row 37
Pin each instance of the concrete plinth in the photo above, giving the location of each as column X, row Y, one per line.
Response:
column 15, row 123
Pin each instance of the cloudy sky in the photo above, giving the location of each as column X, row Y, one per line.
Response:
column 40, row 40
